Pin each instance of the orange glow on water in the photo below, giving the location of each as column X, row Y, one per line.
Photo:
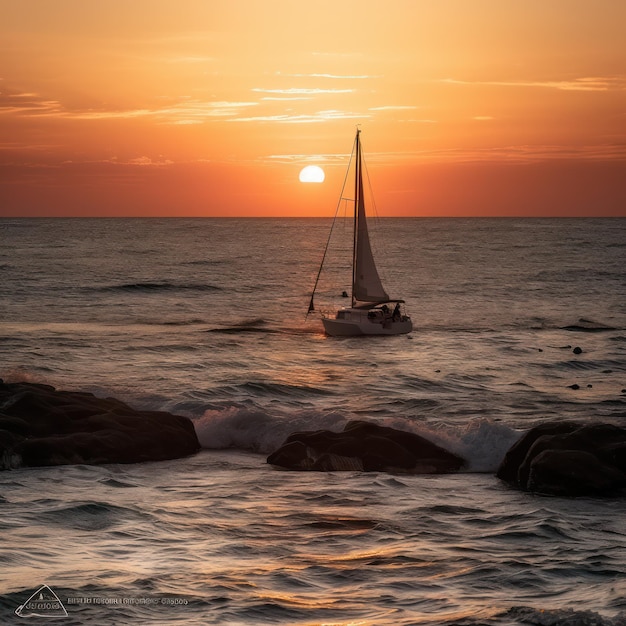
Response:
column 466, row 108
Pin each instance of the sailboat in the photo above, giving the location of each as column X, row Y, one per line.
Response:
column 372, row 311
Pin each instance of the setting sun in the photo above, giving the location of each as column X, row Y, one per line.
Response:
column 312, row 174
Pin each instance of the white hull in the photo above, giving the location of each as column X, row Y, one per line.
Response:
column 356, row 322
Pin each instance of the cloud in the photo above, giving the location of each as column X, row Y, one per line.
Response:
column 27, row 104
column 145, row 161
column 607, row 83
column 332, row 76
column 182, row 111
column 391, row 107
column 315, row 91
column 285, row 98
column 326, row 159
column 290, row 118
column 523, row 153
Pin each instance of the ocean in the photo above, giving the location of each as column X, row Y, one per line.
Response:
column 206, row 318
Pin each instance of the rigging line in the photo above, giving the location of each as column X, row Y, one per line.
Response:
column 341, row 199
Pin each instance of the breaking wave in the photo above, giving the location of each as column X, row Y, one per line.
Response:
column 482, row 442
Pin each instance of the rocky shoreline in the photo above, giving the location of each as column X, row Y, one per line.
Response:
column 42, row 426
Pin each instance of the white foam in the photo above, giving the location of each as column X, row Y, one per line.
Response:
column 482, row 443
column 254, row 429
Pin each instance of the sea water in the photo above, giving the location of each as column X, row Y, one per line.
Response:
column 206, row 318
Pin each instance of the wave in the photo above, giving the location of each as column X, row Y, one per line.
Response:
column 156, row 287
column 253, row 391
column 87, row 515
column 257, row 325
column 605, row 366
column 482, row 442
column 251, row 428
column 190, row 322
column 588, row 326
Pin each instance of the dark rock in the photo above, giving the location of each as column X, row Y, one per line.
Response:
column 574, row 386
column 42, row 426
column 509, row 468
column 567, row 459
column 293, row 455
column 573, row 473
column 577, row 350
column 364, row 446
column 14, row 425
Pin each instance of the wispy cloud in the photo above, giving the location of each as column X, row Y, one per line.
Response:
column 182, row 111
column 324, row 159
column 314, row 91
column 312, row 118
column 394, row 107
column 513, row 154
column 285, row 98
column 605, row 83
column 186, row 112
column 333, row 76
column 27, row 104
column 145, row 161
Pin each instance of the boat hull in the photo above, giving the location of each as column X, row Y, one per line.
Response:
column 354, row 323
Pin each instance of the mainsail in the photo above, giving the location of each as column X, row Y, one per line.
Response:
column 366, row 284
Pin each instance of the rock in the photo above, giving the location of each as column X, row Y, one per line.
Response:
column 572, row 473
column 364, row 446
column 41, row 426
column 577, row 350
column 574, row 386
column 568, row 459
column 509, row 468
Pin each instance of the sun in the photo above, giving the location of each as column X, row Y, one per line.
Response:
column 312, row 174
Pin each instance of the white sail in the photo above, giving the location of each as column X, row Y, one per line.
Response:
column 367, row 286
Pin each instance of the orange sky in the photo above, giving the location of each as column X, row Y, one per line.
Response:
column 212, row 107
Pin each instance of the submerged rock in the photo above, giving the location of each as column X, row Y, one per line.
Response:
column 364, row 446
column 568, row 459
column 40, row 426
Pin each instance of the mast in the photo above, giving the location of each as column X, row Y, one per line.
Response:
column 357, row 191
